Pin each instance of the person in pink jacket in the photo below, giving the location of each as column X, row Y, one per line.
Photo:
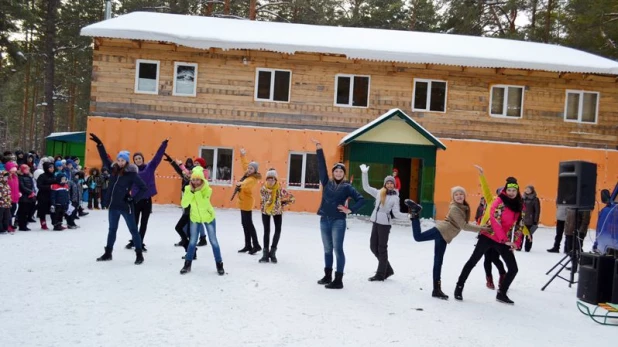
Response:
column 506, row 215
column 11, row 167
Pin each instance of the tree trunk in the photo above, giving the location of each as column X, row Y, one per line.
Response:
column 548, row 21
column 50, row 36
column 413, row 14
column 535, row 4
column 34, row 110
column 226, row 7
column 24, row 115
column 252, row 6
column 72, row 92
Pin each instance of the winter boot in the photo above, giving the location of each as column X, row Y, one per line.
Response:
column 501, row 297
column 139, row 257
column 337, row 283
column 44, row 224
column 265, row 256
column 82, row 213
column 220, row 270
column 194, row 256
column 273, row 255
column 554, row 250
column 202, row 242
column 328, row 276
column 459, row 292
column 389, row 271
column 58, row 227
column 437, row 291
column 490, row 283
column 179, row 244
column 414, row 209
column 245, row 249
column 255, row 249
column 106, row 256
column 377, row 277
column 186, row 268
column 129, row 245
column 144, row 247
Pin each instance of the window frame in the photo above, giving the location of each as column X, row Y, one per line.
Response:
column 580, row 107
column 272, row 85
column 351, row 93
column 137, row 64
column 181, row 63
column 303, row 172
column 506, row 101
column 428, row 101
column 215, row 165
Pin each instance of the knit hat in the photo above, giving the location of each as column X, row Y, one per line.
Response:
column 339, row 166
column 64, row 161
column 70, row 162
column 202, row 162
column 123, row 155
column 254, row 165
column 138, row 154
column 458, row 189
column 198, row 172
column 24, row 168
column 58, row 163
column 511, row 182
column 60, row 176
column 271, row 173
column 389, row 179
column 10, row 166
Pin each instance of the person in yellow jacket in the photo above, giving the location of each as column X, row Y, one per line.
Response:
column 197, row 196
column 245, row 202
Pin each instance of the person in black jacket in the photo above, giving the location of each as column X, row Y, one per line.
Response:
column 333, row 212
column 27, row 199
column 121, row 202
column 532, row 216
column 43, row 197
column 60, row 201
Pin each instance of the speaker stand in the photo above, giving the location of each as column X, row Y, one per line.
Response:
column 573, row 254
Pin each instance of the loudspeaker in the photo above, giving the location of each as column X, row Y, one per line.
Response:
column 596, row 277
column 615, row 291
column 577, row 184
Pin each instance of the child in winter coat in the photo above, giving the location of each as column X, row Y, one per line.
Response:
column 245, row 202
column 532, row 206
column 13, row 182
column 506, row 214
column 79, row 179
column 28, row 197
column 60, row 201
column 202, row 214
column 5, row 203
column 457, row 219
column 386, row 205
column 273, row 199
column 104, row 187
column 44, row 182
column 94, row 183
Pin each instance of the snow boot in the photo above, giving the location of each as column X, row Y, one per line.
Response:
column 389, row 271
column 202, row 242
column 245, row 249
column 186, row 268
column 58, row 227
column 106, row 256
column 273, row 255
column 490, row 283
column 220, row 270
column 129, row 245
column 414, row 209
column 501, row 297
column 44, row 224
column 437, row 291
column 139, row 257
column 179, row 244
column 265, row 256
column 255, row 249
column 72, row 227
column 144, row 247
column 459, row 292
column 554, row 250
column 337, row 283
column 328, row 276
column 377, row 277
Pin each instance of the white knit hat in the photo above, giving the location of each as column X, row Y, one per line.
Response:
column 271, row 173
column 458, row 189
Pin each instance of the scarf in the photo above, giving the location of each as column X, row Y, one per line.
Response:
column 515, row 204
column 274, row 192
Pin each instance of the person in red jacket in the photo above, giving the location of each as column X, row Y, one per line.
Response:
column 397, row 180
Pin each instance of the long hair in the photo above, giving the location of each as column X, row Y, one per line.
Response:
column 383, row 192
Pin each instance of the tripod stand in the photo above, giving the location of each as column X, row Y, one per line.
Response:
column 573, row 254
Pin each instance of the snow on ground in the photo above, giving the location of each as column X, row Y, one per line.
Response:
column 54, row 293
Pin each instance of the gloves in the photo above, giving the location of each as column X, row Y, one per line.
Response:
column 32, row 195
column 94, row 138
column 52, row 209
column 167, row 157
column 242, row 151
column 364, row 168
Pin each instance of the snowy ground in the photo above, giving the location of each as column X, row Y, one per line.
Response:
column 55, row 294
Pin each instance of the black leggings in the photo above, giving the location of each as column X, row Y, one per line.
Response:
column 492, row 256
column 143, row 209
column 246, row 218
column 184, row 221
column 266, row 221
column 505, row 252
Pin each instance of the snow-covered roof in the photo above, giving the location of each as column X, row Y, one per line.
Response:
column 392, row 112
column 354, row 43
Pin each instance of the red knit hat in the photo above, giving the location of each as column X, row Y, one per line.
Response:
column 200, row 161
column 24, row 168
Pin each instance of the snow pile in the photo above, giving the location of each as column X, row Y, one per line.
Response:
column 55, row 294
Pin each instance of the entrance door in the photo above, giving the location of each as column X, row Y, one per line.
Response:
column 410, row 177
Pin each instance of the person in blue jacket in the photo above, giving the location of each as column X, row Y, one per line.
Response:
column 121, row 202
column 333, row 212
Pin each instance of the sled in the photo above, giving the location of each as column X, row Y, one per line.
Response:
column 611, row 312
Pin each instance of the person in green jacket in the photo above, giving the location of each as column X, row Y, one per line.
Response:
column 197, row 196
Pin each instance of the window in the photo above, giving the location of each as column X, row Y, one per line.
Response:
column 303, row 171
column 429, row 95
column 147, row 76
column 506, row 101
column 185, row 79
column 273, row 85
column 219, row 164
column 581, row 106
column 352, row 90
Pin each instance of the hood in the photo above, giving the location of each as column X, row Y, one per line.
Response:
column 46, row 166
column 530, row 196
column 129, row 168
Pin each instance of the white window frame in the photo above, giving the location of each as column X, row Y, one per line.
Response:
column 428, row 101
column 351, row 93
column 179, row 63
column 137, row 63
column 215, row 165
column 580, row 108
column 303, row 173
column 506, row 100
column 272, row 85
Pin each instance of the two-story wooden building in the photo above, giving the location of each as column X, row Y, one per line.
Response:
column 430, row 105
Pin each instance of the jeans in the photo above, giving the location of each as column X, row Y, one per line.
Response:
column 211, row 229
column 114, row 218
column 439, row 245
column 505, row 252
column 378, row 243
column 266, row 222
column 333, row 233
column 492, row 256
